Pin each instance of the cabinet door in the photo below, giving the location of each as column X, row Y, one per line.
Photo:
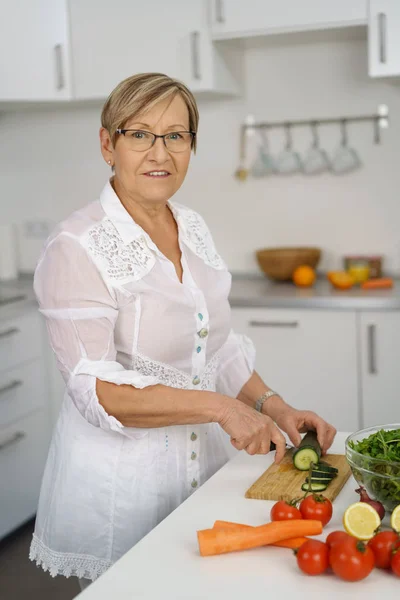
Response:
column 34, row 50
column 23, row 451
column 235, row 18
column 383, row 38
column 380, row 373
column 138, row 37
column 309, row 357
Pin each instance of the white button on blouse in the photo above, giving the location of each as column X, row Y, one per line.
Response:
column 116, row 311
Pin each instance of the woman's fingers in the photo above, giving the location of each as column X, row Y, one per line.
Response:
column 280, row 443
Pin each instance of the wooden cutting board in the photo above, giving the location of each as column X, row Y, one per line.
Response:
column 284, row 481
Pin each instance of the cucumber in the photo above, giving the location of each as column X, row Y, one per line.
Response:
column 322, row 474
column 318, row 480
column 321, row 466
column 314, row 487
column 309, row 451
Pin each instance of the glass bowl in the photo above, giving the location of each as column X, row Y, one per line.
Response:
column 381, row 478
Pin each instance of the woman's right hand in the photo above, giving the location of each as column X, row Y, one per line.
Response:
column 250, row 430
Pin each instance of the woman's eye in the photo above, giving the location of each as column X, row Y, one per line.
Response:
column 175, row 136
column 139, row 135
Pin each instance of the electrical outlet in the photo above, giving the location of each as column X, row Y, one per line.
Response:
column 37, row 229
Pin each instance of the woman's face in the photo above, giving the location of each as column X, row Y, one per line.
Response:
column 134, row 171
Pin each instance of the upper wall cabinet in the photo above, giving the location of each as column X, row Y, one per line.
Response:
column 383, row 33
column 34, row 50
column 80, row 49
column 236, row 18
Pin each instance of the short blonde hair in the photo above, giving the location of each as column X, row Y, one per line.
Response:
column 140, row 93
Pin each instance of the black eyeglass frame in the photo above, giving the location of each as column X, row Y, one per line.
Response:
column 124, row 131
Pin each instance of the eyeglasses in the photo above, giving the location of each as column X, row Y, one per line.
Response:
column 140, row 141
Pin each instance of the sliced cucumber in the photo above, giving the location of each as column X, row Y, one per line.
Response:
column 309, row 451
column 318, row 480
column 314, row 487
column 321, row 466
column 322, row 474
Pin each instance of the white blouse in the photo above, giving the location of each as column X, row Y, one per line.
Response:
column 116, row 310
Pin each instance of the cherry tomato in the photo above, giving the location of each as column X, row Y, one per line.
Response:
column 395, row 563
column 337, row 536
column 316, row 507
column 283, row 511
column 382, row 545
column 313, row 557
column 351, row 560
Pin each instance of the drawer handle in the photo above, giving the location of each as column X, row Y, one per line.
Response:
column 288, row 324
column 372, row 368
column 13, row 439
column 382, row 37
column 10, row 386
column 219, row 11
column 9, row 332
column 195, row 41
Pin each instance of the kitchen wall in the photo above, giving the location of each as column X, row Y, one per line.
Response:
column 51, row 164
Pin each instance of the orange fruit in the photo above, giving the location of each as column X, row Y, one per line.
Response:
column 304, row 276
column 341, row 280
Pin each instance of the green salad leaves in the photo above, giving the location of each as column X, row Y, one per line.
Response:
column 383, row 444
column 377, row 466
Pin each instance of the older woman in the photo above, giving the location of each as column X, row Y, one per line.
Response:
column 135, row 297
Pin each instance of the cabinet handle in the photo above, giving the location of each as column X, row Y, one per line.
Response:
column 59, row 67
column 290, row 324
column 219, row 11
column 13, row 439
column 372, row 350
column 195, row 36
column 382, row 37
column 10, row 386
column 9, row 332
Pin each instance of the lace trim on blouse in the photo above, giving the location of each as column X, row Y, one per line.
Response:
column 67, row 564
column 199, row 240
column 171, row 377
column 117, row 260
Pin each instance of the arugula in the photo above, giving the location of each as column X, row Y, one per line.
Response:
column 383, row 445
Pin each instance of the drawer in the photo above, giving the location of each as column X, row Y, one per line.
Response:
column 22, row 390
column 23, row 453
column 21, row 339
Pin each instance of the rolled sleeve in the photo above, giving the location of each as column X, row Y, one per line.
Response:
column 238, row 357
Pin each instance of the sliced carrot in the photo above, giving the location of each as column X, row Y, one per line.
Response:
column 292, row 543
column 377, row 284
column 219, row 541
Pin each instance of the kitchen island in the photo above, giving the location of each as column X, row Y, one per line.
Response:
column 166, row 564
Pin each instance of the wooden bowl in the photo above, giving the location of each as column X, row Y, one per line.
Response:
column 280, row 263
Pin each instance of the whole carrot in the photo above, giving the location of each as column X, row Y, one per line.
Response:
column 220, row 541
column 292, row 543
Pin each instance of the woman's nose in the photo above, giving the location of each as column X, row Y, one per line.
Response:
column 158, row 151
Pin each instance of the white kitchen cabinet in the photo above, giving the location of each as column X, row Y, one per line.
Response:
column 309, row 357
column 109, row 45
column 34, row 50
column 23, row 451
column 379, row 335
column 235, row 18
column 383, row 38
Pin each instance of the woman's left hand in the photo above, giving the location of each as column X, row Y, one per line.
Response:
column 294, row 422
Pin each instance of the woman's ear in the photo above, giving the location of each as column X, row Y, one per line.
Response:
column 106, row 146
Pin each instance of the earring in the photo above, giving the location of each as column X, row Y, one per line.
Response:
column 109, row 162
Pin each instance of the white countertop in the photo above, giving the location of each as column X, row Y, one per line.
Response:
column 166, row 564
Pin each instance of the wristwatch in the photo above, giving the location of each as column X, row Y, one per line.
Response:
column 263, row 398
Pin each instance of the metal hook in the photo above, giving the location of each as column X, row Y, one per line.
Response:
column 377, row 131
column 289, row 142
column 314, row 131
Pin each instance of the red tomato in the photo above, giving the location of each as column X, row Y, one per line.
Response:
column 351, row 560
column 283, row 511
column 316, row 507
column 313, row 557
column 395, row 563
column 382, row 545
column 337, row 536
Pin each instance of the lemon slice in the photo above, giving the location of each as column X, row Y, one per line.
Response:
column 360, row 520
column 395, row 519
